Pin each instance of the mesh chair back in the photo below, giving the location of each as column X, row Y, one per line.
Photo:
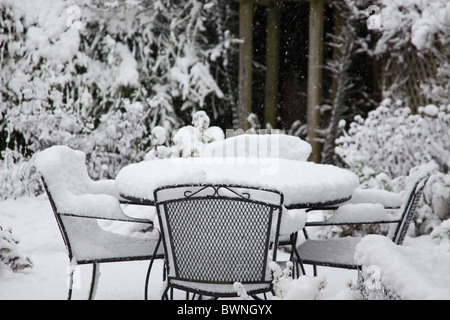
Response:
column 219, row 234
column 409, row 209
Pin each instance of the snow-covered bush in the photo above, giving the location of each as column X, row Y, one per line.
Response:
column 187, row 141
column 416, row 21
column 287, row 288
column 17, row 176
column 393, row 140
column 441, row 235
column 98, row 76
column 417, row 33
column 383, row 148
column 390, row 271
column 401, row 134
column 8, row 252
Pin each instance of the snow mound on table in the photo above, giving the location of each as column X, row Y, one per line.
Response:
column 260, row 146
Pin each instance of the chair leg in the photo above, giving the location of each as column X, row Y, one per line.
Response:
column 70, row 285
column 94, row 281
column 294, row 253
column 147, row 278
column 71, row 271
column 299, row 262
column 164, row 295
column 295, row 271
column 293, row 239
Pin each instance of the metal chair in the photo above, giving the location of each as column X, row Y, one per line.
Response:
column 339, row 252
column 217, row 235
column 78, row 203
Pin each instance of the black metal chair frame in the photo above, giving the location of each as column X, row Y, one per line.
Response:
column 180, row 270
column 403, row 223
column 95, row 262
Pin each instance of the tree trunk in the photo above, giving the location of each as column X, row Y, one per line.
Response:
column 315, row 57
column 272, row 64
column 245, row 61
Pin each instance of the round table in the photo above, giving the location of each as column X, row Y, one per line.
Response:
column 304, row 184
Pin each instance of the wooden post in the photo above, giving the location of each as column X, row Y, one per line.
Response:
column 272, row 64
column 315, row 57
column 339, row 23
column 245, row 61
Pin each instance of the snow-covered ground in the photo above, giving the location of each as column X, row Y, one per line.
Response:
column 33, row 223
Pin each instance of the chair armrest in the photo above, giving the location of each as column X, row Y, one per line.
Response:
column 104, row 187
column 360, row 213
column 96, row 206
column 124, row 219
column 389, row 200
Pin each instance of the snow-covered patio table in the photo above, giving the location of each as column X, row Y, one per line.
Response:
column 304, row 184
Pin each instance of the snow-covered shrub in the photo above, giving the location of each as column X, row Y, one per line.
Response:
column 441, row 235
column 8, row 252
column 101, row 79
column 188, row 141
column 383, row 148
column 17, row 176
column 417, row 33
column 390, row 271
column 393, row 140
column 401, row 134
column 287, row 288
column 436, row 204
column 416, row 21
column 350, row 94
column 124, row 125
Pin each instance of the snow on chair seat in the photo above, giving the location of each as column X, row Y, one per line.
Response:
column 330, row 252
column 73, row 191
column 78, row 202
column 339, row 252
column 90, row 243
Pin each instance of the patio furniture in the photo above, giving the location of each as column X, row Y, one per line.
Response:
column 78, row 203
column 303, row 184
column 217, row 235
column 339, row 252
